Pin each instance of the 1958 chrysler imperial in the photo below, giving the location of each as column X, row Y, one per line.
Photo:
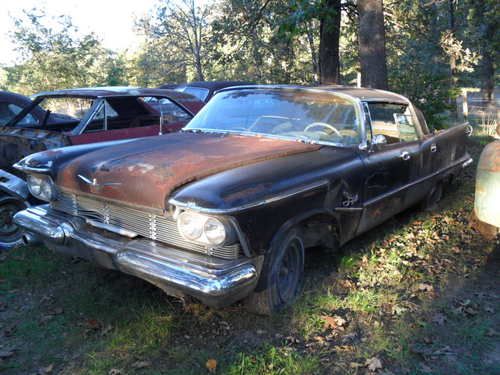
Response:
column 225, row 209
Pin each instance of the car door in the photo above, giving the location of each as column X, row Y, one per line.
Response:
column 130, row 117
column 391, row 167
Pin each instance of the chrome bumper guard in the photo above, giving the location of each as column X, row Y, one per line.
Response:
column 216, row 282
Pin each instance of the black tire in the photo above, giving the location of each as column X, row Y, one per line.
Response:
column 10, row 233
column 282, row 276
column 433, row 197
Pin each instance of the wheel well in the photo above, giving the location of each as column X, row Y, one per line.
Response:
column 319, row 229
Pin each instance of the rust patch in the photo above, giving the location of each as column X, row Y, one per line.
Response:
column 490, row 158
column 16, row 143
column 146, row 171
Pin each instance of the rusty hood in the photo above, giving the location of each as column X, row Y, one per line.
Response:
column 146, row 171
column 16, row 143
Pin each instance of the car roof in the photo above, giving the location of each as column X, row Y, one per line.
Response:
column 9, row 95
column 361, row 93
column 216, row 85
column 117, row 91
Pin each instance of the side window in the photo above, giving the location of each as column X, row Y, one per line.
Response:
column 5, row 113
column 170, row 111
column 394, row 121
column 28, row 119
column 97, row 122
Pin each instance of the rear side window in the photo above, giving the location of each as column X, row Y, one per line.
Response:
column 394, row 121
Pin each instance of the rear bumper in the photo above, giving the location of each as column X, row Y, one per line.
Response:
column 216, row 282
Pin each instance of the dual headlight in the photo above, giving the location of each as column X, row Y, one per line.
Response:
column 204, row 229
column 41, row 187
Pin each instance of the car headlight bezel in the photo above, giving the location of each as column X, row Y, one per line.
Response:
column 208, row 230
column 41, row 187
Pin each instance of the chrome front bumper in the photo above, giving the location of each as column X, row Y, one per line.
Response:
column 216, row 282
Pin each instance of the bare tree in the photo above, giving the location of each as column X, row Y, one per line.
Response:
column 371, row 36
column 184, row 27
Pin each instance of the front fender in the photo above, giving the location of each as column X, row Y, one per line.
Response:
column 13, row 185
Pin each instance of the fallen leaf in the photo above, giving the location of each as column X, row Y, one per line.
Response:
column 47, row 370
column 211, row 366
column 373, row 364
column 141, row 364
column 425, row 287
column 333, row 322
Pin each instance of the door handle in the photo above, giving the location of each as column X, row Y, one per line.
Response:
column 433, row 147
column 405, row 155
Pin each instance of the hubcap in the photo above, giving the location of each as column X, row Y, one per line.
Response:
column 7, row 225
column 289, row 272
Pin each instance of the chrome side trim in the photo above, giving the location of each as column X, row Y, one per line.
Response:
column 467, row 163
column 222, row 211
column 27, row 169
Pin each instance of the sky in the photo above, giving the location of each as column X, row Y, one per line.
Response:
column 111, row 20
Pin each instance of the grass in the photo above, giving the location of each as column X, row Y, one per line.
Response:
column 418, row 293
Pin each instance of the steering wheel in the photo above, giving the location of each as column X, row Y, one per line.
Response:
column 324, row 125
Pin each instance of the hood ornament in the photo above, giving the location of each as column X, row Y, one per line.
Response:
column 93, row 182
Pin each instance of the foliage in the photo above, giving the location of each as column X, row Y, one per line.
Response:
column 433, row 47
column 58, row 56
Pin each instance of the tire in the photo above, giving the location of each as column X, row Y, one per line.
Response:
column 433, row 197
column 10, row 234
column 282, row 276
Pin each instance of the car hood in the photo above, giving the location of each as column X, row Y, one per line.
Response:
column 146, row 171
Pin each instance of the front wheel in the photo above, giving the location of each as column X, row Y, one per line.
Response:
column 10, row 233
column 282, row 276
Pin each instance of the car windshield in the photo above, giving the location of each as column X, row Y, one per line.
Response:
column 64, row 112
column 199, row 92
column 304, row 115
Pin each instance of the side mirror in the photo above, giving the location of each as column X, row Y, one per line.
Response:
column 379, row 139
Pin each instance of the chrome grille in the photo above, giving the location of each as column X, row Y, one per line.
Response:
column 145, row 224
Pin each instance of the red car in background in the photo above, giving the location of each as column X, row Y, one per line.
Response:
column 81, row 116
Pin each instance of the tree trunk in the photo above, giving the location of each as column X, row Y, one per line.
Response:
column 329, row 34
column 371, row 36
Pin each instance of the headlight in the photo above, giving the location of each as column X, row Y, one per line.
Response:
column 205, row 229
column 41, row 187
column 190, row 225
column 215, row 231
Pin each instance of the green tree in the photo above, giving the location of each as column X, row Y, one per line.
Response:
column 55, row 57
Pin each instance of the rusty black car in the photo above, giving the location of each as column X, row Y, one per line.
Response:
column 75, row 117
column 226, row 209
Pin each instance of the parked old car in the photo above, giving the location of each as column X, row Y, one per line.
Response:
column 204, row 90
column 487, row 199
column 226, row 208
column 11, row 104
column 76, row 117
